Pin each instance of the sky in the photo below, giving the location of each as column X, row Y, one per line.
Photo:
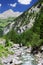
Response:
column 16, row 5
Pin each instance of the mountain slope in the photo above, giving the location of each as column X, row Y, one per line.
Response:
column 9, row 13
column 25, row 21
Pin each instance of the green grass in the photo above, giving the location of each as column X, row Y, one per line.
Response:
column 4, row 51
column 5, row 22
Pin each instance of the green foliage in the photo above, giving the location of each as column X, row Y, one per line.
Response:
column 22, row 38
column 41, row 26
column 4, row 51
column 13, row 36
column 35, row 40
column 26, row 36
column 8, row 44
column 28, row 44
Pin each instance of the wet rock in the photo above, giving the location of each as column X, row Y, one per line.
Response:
column 20, row 45
column 42, row 63
column 25, row 47
column 38, row 55
column 41, row 49
column 29, row 50
column 39, row 64
column 39, row 58
column 34, row 50
column 16, row 46
column 17, row 62
column 18, row 53
column 11, row 62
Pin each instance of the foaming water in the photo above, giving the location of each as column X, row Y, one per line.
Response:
column 28, row 59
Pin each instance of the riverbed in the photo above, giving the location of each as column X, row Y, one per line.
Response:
column 21, row 56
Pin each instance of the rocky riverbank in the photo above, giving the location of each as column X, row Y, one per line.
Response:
column 22, row 55
column 39, row 58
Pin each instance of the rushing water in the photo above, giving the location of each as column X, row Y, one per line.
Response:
column 28, row 59
column 24, row 57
